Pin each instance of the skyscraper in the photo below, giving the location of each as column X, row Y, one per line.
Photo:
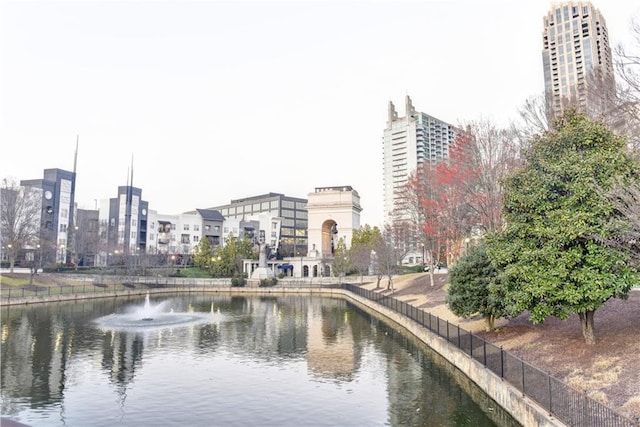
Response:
column 408, row 142
column 576, row 56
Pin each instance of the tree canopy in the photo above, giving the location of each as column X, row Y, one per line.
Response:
column 549, row 258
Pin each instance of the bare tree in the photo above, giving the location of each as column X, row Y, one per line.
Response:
column 535, row 118
column 627, row 64
column 494, row 152
column 389, row 251
column 625, row 229
column 360, row 259
column 19, row 218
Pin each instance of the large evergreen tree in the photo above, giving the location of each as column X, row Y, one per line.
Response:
column 551, row 263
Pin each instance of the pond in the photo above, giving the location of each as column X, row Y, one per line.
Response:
column 212, row 360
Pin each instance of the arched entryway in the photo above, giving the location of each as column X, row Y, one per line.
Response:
column 329, row 237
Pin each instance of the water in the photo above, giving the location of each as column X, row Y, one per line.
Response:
column 271, row 361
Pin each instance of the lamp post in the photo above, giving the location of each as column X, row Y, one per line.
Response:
column 11, row 258
column 75, row 247
column 39, row 264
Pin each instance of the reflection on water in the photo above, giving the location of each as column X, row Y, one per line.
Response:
column 255, row 361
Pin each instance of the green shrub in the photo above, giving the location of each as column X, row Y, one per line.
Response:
column 237, row 281
column 264, row 283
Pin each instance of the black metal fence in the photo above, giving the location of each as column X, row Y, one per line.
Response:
column 570, row 406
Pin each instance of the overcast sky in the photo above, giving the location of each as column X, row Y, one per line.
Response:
column 223, row 100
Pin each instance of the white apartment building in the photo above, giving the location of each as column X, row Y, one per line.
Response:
column 575, row 52
column 179, row 234
column 408, row 142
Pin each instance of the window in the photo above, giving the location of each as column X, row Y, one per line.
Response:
column 185, row 227
column 64, row 213
column 216, row 229
column 288, row 204
column 184, row 238
column 274, row 204
column 63, row 228
column 196, row 227
column 195, row 239
column 207, row 227
column 151, row 237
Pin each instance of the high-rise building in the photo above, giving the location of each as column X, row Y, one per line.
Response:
column 408, row 142
column 576, row 57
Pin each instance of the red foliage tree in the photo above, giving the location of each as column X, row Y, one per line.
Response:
column 450, row 198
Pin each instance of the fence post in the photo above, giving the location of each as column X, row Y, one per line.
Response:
column 471, row 344
column 522, row 373
column 459, row 336
column 501, row 362
column 584, row 408
column 447, row 330
column 550, row 398
column 484, row 350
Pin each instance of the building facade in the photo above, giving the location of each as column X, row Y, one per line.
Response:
column 408, row 142
column 180, row 234
column 86, row 237
column 576, row 56
column 58, row 214
column 293, row 240
column 123, row 222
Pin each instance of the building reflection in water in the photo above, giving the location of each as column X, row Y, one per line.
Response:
column 45, row 348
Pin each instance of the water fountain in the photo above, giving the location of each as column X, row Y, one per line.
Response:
column 149, row 315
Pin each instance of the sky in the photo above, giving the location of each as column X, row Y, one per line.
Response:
column 213, row 101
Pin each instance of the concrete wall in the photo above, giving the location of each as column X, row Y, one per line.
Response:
column 523, row 409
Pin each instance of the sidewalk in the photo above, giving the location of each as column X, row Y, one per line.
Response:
column 416, row 289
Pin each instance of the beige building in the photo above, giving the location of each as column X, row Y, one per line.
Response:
column 576, row 56
column 333, row 214
column 408, row 142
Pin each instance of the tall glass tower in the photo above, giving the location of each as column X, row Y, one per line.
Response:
column 576, row 56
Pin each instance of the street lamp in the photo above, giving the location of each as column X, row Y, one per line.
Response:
column 39, row 257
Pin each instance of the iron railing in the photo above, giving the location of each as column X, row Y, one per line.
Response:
column 572, row 407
